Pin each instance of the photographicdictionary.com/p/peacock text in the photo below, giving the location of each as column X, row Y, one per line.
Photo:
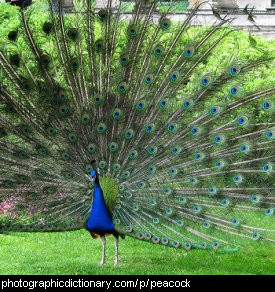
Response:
column 81, row 283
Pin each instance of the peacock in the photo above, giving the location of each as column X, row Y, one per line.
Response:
column 140, row 124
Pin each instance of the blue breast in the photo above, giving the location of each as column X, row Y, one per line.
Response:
column 100, row 219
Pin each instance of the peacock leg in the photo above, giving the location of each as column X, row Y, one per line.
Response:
column 116, row 252
column 103, row 239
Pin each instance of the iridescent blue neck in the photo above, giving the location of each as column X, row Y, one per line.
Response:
column 100, row 220
column 98, row 192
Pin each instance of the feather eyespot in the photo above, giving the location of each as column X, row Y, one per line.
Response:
column 165, row 23
column 12, row 36
column 234, row 90
column 215, row 245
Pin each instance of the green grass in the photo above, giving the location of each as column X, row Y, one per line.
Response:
column 76, row 253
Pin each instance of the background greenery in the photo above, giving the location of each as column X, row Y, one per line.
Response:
column 237, row 45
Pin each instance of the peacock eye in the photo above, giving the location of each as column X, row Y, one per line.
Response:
column 269, row 211
column 204, row 81
column 255, row 236
column 206, row 224
column 182, row 199
column 267, row 105
column 15, row 60
column 73, row 34
column 215, row 110
column 165, row 23
column 268, row 168
column 129, row 134
column 234, row 90
column 47, row 27
column 188, row 52
column 243, row 120
column 174, row 77
column 140, row 106
column 133, row 154
column 132, row 31
column 12, row 36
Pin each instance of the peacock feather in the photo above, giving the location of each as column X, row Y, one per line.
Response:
column 183, row 139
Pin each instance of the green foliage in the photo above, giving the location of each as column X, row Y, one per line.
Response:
column 246, row 50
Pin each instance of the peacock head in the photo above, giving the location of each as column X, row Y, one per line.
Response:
column 94, row 173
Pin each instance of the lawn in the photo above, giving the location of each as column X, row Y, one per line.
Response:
column 75, row 253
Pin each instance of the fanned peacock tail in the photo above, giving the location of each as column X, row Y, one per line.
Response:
column 185, row 143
